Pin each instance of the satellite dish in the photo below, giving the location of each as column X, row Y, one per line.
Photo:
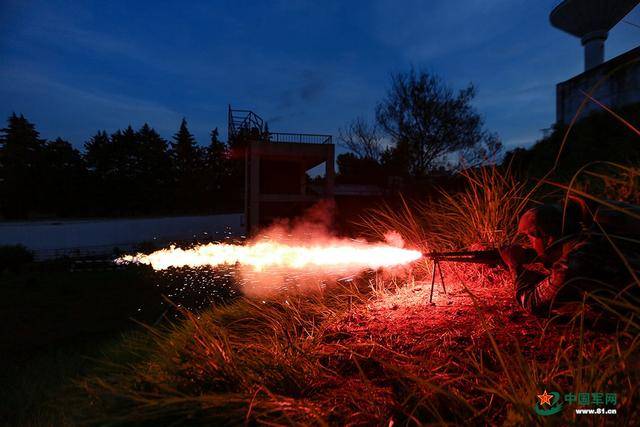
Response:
column 590, row 20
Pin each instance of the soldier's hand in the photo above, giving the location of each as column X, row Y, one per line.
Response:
column 514, row 256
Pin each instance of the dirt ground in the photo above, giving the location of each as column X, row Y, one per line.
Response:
column 401, row 338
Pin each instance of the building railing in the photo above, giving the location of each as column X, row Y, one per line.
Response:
column 305, row 138
column 247, row 121
column 244, row 119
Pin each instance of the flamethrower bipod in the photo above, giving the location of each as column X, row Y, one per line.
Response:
column 489, row 257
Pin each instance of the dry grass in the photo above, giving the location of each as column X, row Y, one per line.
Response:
column 484, row 215
column 363, row 356
column 251, row 360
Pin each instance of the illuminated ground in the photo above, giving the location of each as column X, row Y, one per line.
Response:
column 401, row 331
column 355, row 357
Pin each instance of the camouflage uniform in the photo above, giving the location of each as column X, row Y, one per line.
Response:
column 574, row 266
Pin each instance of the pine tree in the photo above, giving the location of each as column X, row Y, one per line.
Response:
column 217, row 166
column 184, row 151
column 129, row 153
column 154, row 151
column 102, row 164
column 126, row 185
column 188, row 161
column 21, row 174
column 115, row 167
column 100, row 160
column 155, row 168
column 64, row 191
column 217, row 153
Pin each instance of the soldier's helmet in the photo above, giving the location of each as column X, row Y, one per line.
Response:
column 547, row 221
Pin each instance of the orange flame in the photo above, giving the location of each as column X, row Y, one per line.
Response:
column 339, row 254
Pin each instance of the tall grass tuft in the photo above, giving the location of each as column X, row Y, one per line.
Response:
column 484, row 214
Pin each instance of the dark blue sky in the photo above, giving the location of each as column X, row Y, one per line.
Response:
column 309, row 66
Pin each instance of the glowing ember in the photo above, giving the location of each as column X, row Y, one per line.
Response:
column 268, row 254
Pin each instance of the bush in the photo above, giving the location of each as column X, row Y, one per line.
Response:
column 14, row 257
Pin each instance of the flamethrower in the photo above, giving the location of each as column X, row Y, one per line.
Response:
column 489, row 257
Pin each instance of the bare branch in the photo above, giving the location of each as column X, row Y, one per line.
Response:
column 362, row 138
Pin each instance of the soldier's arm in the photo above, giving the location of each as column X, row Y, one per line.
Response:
column 536, row 292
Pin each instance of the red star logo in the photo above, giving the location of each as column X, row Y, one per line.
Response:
column 545, row 398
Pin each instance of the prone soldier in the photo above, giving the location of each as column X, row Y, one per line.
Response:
column 574, row 260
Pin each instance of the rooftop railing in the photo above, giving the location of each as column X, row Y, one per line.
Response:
column 247, row 124
column 305, row 138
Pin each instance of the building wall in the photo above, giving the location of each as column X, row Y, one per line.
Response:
column 620, row 85
column 282, row 177
column 275, row 179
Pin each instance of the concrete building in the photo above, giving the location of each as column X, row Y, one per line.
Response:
column 276, row 166
column 616, row 82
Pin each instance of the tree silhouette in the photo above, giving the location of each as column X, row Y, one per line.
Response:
column 21, row 162
column 114, row 162
column 187, row 160
column 184, row 149
column 125, row 173
column 217, row 167
column 155, row 169
column 362, row 138
column 63, row 189
column 115, row 168
column 362, row 164
column 428, row 122
column 98, row 155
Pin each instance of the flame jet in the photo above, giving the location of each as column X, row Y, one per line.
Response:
column 338, row 255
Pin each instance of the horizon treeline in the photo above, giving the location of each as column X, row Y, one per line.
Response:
column 138, row 173
column 422, row 127
column 126, row 173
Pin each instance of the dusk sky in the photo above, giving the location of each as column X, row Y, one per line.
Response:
column 74, row 68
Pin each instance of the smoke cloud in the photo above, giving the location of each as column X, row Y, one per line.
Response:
column 313, row 228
